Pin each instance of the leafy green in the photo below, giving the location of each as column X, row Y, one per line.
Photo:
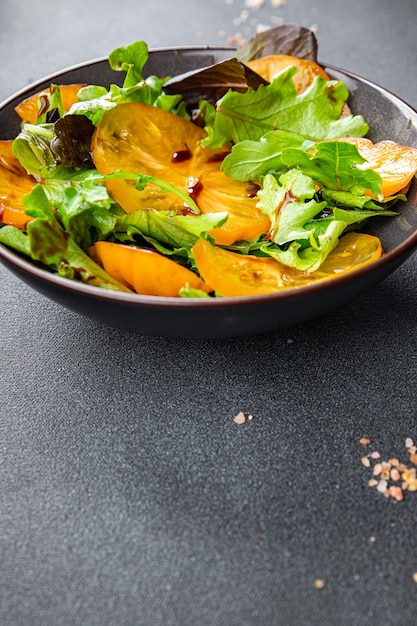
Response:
column 167, row 227
column 94, row 102
column 334, row 164
column 303, row 229
column 315, row 113
column 290, row 205
column 130, row 59
column 309, row 258
column 45, row 241
column 289, row 39
column 32, row 147
column 249, row 160
column 211, row 83
column 191, row 292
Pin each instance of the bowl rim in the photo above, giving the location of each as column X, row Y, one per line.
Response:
column 404, row 249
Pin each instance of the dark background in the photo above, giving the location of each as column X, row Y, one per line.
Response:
column 127, row 493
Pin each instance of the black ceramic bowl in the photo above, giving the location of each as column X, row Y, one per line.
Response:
column 388, row 117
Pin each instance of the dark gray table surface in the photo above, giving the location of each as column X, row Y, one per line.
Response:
column 127, row 493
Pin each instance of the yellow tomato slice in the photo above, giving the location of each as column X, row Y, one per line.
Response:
column 396, row 164
column 15, row 183
column 354, row 250
column 145, row 271
column 233, row 274
column 268, row 67
column 28, row 109
column 141, row 138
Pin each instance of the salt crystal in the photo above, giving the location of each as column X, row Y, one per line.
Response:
column 382, row 486
column 240, row 418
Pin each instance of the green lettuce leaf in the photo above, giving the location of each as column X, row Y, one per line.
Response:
column 249, row 160
column 303, row 230
column 309, row 258
column 94, row 102
column 32, row 147
column 130, row 59
column 289, row 204
column 167, row 227
column 315, row 113
column 46, row 242
column 191, row 292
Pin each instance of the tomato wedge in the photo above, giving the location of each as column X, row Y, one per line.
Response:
column 144, row 139
column 15, row 183
column 145, row 271
column 234, row 274
column 396, row 164
column 269, row 66
column 28, row 109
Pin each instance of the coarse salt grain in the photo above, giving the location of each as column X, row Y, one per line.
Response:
column 239, row 418
column 382, row 486
column 395, row 474
column 396, row 493
column 365, row 441
column 377, row 469
column 415, row 577
column 409, row 442
column 319, row 583
column 365, row 461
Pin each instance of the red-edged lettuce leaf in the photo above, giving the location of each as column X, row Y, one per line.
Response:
column 289, row 39
column 211, row 83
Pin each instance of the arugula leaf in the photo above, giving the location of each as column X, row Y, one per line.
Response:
column 304, row 231
column 315, row 113
column 149, row 91
column 348, row 199
column 334, row 165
